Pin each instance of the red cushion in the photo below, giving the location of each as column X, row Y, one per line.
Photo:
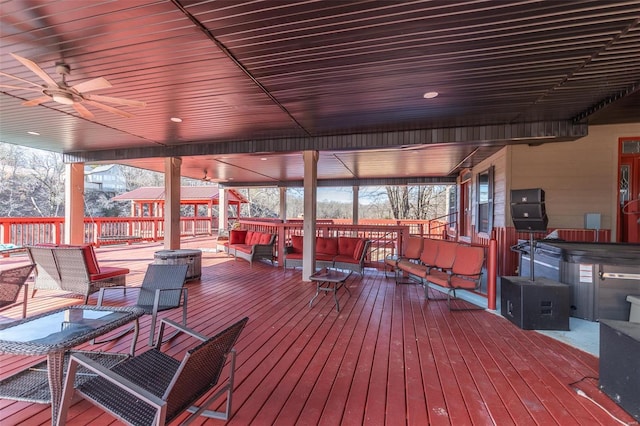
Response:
column 90, row 259
column 296, row 243
column 414, row 248
column 108, row 272
column 237, row 236
column 248, row 238
column 357, row 252
column 346, row 245
column 255, row 238
column 327, row 245
column 265, row 238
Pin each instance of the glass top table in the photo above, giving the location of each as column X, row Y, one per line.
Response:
column 330, row 280
column 53, row 334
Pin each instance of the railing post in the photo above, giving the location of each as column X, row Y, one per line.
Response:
column 492, row 271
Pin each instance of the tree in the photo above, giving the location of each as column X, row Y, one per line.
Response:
column 399, row 201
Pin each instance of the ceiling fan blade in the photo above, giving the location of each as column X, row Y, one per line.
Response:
column 109, row 108
column 37, row 101
column 8, row 86
column 20, row 79
column 94, row 84
column 35, row 69
column 118, row 101
column 83, row 111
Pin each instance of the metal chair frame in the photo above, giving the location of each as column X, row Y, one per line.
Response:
column 162, row 289
column 154, row 388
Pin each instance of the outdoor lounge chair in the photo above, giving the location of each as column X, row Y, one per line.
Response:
column 162, row 289
column 154, row 388
column 11, row 282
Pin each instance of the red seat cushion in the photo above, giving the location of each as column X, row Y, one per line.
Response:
column 296, row 243
column 325, row 245
column 255, row 238
column 90, row 259
column 347, row 245
column 237, row 236
column 357, row 251
column 414, row 248
column 265, row 238
column 108, row 272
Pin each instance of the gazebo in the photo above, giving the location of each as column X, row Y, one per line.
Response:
column 150, row 200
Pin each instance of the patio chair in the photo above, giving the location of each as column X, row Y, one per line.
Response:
column 154, row 388
column 162, row 289
column 11, row 282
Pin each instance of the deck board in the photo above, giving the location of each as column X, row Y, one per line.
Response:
column 388, row 357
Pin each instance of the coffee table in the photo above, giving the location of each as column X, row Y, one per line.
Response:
column 53, row 334
column 330, row 280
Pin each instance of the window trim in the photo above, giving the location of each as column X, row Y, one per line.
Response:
column 490, row 172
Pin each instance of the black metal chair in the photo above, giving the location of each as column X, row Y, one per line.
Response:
column 11, row 282
column 154, row 388
column 162, row 289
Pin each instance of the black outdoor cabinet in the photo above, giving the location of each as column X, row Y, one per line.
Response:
column 542, row 304
column 620, row 363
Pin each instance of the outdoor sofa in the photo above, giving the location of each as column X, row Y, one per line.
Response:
column 250, row 245
column 72, row 268
column 331, row 252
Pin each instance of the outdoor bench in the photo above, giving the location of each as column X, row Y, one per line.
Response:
column 72, row 268
column 250, row 245
column 447, row 264
column 331, row 252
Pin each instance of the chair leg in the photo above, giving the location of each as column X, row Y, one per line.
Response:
column 228, row 389
column 453, row 291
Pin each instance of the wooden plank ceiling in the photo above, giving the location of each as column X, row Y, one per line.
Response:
column 271, row 79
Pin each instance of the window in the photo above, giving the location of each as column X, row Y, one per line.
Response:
column 484, row 217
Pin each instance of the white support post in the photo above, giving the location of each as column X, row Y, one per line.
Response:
column 74, row 204
column 283, row 203
column 356, row 204
column 223, row 211
column 309, row 222
column 172, row 203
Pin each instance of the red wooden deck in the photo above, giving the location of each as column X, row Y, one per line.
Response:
column 388, row 357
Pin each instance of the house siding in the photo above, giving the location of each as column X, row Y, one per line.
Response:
column 578, row 177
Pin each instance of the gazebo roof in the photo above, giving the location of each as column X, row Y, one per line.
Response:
column 188, row 194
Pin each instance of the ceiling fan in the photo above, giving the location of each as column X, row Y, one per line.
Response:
column 64, row 94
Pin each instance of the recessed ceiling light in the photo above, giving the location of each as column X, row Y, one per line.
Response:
column 263, row 158
column 176, row 119
column 34, row 133
column 430, row 95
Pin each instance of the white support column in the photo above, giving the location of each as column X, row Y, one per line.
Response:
column 223, row 211
column 309, row 222
column 283, row 203
column 74, row 203
column 356, row 204
column 172, row 203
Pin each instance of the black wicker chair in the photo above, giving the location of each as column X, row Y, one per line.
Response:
column 162, row 289
column 154, row 388
column 11, row 282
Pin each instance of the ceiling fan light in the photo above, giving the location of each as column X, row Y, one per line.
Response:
column 63, row 98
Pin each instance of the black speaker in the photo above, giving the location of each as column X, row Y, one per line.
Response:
column 620, row 363
column 528, row 210
column 524, row 196
column 542, row 304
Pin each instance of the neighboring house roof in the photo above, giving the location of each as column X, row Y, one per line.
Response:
column 98, row 169
column 187, row 194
